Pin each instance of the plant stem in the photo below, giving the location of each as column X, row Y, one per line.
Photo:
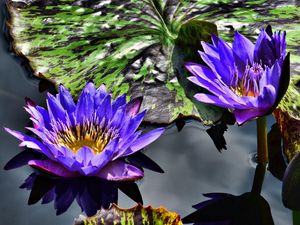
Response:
column 262, row 144
column 258, row 178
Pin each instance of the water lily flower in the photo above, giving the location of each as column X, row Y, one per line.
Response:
column 246, row 78
column 90, row 138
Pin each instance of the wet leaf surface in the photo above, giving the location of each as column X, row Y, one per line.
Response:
column 128, row 45
column 137, row 215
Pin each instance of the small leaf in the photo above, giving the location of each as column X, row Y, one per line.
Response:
column 137, row 215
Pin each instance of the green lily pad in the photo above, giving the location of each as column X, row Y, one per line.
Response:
column 139, row 47
column 128, row 45
column 137, row 215
column 288, row 118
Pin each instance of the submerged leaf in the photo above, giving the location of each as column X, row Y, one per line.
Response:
column 128, row 45
column 137, row 215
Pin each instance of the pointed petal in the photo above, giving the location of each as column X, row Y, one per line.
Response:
column 243, row 116
column 120, row 101
column 120, row 171
column 144, row 140
column 56, row 111
column 66, row 99
column 210, row 49
column 133, row 107
column 52, row 167
column 133, row 124
column 84, row 155
column 204, row 77
column 101, row 159
column 85, row 105
column 218, row 67
column 243, row 47
column 218, row 101
column 99, row 95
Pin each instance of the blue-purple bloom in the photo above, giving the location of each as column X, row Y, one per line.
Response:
column 243, row 78
column 90, row 138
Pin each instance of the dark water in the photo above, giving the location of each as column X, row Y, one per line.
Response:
column 191, row 162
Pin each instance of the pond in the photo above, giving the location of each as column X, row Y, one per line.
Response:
column 191, row 162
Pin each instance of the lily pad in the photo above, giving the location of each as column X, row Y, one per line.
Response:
column 128, row 45
column 137, row 215
column 288, row 118
column 135, row 46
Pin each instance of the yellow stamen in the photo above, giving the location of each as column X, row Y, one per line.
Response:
column 87, row 134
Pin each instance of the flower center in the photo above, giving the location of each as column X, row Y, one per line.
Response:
column 88, row 134
column 248, row 84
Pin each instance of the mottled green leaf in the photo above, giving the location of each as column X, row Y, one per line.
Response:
column 288, row 118
column 137, row 215
column 128, row 45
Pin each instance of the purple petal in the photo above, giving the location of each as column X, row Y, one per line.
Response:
column 204, row 77
column 46, row 117
column 210, row 49
column 52, row 167
column 132, row 124
column 120, row 171
column 120, row 101
column 144, row 140
column 89, row 170
column 219, row 67
column 84, row 155
column 225, row 52
column 125, row 144
column 219, row 101
column 66, row 99
column 56, row 111
column 267, row 97
column 243, row 116
column 99, row 95
column 104, row 109
column 101, row 159
column 85, row 105
column 271, row 76
column 243, row 47
column 133, row 107
column 29, row 142
column 118, row 117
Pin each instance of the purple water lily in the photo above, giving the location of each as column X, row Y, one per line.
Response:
column 244, row 78
column 90, row 138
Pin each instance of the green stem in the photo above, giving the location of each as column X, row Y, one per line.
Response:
column 262, row 144
column 296, row 218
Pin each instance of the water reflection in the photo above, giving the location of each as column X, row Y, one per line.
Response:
column 90, row 193
column 249, row 208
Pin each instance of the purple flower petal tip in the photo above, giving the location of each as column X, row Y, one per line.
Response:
column 243, row 78
column 88, row 138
